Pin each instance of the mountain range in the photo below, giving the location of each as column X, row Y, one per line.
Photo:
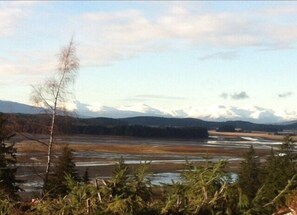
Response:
column 148, row 117
column 221, row 113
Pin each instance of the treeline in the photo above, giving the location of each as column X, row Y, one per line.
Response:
column 191, row 122
column 39, row 124
column 141, row 131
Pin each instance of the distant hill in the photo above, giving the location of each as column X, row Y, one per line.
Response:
column 15, row 107
column 190, row 122
column 184, row 122
column 32, row 120
column 292, row 126
column 100, row 121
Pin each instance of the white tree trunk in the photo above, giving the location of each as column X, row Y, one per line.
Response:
column 49, row 150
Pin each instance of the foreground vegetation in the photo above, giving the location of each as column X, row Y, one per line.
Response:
column 203, row 189
column 262, row 187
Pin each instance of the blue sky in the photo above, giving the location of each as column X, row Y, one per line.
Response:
column 193, row 59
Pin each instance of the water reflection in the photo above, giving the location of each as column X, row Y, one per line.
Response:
column 170, row 177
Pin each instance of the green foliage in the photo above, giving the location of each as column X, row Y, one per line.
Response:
column 204, row 190
column 80, row 199
column 57, row 183
column 6, row 205
column 66, row 165
column 8, row 182
column 127, row 194
column 122, row 194
column 280, row 167
column 249, row 174
column 276, row 183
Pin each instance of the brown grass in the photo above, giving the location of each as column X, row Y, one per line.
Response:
column 263, row 135
column 28, row 146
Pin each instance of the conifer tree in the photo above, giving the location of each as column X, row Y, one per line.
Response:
column 204, row 190
column 57, row 184
column 249, row 173
column 86, row 177
column 280, row 167
column 8, row 182
column 128, row 192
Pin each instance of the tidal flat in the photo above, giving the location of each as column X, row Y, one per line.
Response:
column 167, row 157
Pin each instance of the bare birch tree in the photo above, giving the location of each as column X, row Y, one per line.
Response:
column 54, row 92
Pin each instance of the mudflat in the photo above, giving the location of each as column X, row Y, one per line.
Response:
column 106, row 149
column 145, row 146
column 99, row 154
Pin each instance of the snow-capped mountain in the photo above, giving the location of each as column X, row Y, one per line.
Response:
column 15, row 107
column 214, row 113
column 120, row 112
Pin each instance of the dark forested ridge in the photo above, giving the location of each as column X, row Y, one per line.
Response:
column 134, row 126
column 141, row 131
column 191, row 122
column 187, row 122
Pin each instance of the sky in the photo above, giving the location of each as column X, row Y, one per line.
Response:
column 203, row 59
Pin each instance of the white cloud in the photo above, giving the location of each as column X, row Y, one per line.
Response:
column 107, row 37
column 9, row 19
column 118, row 35
column 95, row 107
column 141, row 108
column 225, row 55
column 12, row 13
column 19, row 66
column 124, row 34
column 26, row 71
column 214, row 112
column 210, row 113
column 286, row 114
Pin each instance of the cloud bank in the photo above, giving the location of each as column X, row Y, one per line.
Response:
column 107, row 37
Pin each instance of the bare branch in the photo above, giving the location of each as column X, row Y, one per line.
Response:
column 37, row 97
column 283, row 191
column 53, row 93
